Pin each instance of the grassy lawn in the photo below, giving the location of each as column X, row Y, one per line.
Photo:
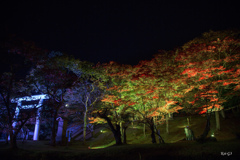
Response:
column 180, row 150
column 139, row 147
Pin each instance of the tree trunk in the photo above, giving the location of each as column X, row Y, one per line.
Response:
column 14, row 132
column 124, row 135
column 84, row 126
column 117, row 135
column 121, row 130
column 13, row 138
column 64, row 138
column 6, row 138
column 13, row 141
column 144, row 130
column 170, row 116
column 206, row 130
column 153, row 132
column 188, row 121
column 223, row 114
column 217, row 120
column 153, row 135
column 116, row 132
column 53, row 138
column 159, row 136
column 93, row 130
column 167, row 124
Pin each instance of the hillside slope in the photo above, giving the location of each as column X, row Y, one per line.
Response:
column 229, row 128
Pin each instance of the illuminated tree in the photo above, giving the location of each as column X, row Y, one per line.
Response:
column 209, row 66
column 153, row 93
column 143, row 92
column 116, row 108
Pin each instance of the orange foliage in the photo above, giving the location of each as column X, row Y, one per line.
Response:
column 220, row 68
column 178, row 95
column 106, row 100
column 123, row 90
column 193, row 101
column 237, row 87
column 212, row 91
column 237, row 73
column 170, row 102
column 116, row 102
column 217, row 105
column 96, row 120
column 202, row 78
column 213, row 99
column 149, row 92
column 130, row 104
column 189, row 89
column 202, row 86
column 190, row 71
column 203, row 111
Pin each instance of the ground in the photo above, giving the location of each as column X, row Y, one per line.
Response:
column 140, row 147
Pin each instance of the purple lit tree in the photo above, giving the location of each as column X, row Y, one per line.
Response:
column 18, row 57
column 10, row 89
column 85, row 91
column 52, row 78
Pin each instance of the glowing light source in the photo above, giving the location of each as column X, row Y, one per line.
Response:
column 103, row 146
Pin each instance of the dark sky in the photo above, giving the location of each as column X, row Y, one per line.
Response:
column 116, row 30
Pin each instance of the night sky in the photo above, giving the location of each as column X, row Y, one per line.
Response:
column 122, row 31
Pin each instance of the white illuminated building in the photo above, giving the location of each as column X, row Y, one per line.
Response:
column 37, row 106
